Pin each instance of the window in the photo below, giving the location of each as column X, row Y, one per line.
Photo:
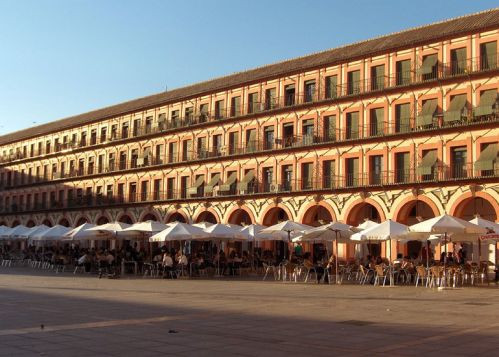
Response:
column 253, row 103
column 352, row 125
column 331, row 87
column 488, row 55
column 103, row 134
column 159, row 155
column 233, row 142
column 353, row 82
column 458, row 63
column 202, row 148
column 328, row 174
column 288, row 134
column 402, row 118
column 186, row 150
column 132, row 192
column 57, row 147
column 378, row 77
column 268, row 134
column 121, row 192
column 162, row 121
column 235, row 106
column 403, row 72
column 402, row 167
column 114, row 132
column 93, row 137
column 157, row 190
column 148, row 128
column 375, row 169
column 488, row 100
column 219, row 109
column 136, row 127
column 175, row 119
column 91, row 165
column 458, row 162
column 286, row 177
column 456, row 110
column 329, row 128
column 426, row 167
column 429, row 67
column 352, row 172
column 487, row 160
column 425, row 117
column 170, row 188
column 203, row 113
column 144, row 188
column 47, row 147
column 183, row 186
column 377, row 121
column 172, row 152
column 308, row 131
column 100, row 164
column 270, row 99
column 268, row 178
column 289, row 95
column 307, row 172
column 123, row 160
column 189, row 114
column 251, row 143
column 309, row 91
column 133, row 158
column 111, row 162
column 217, row 145
column 124, row 130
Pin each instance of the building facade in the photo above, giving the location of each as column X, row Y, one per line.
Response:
column 404, row 126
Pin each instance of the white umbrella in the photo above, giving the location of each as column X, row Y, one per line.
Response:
column 365, row 225
column 4, row 230
column 203, row 225
column 383, row 231
column 332, row 231
column 235, row 226
column 16, row 232
column 252, row 231
column 83, row 232
column 179, row 231
column 224, row 231
column 36, row 230
column 112, row 227
column 288, row 227
column 147, row 226
column 447, row 225
column 55, row 233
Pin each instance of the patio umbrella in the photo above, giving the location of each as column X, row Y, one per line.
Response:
column 252, row 230
column 491, row 235
column 147, row 226
column 35, row 230
column 447, row 225
column 83, row 232
column 112, row 227
column 365, row 225
column 54, row 233
column 224, row 231
column 288, row 227
column 179, row 231
column 16, row 232
column 332, row 231
column 203, row 225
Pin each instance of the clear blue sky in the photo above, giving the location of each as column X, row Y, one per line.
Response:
column 63, row 57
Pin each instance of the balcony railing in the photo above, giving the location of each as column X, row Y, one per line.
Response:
column 349, row 181
column 380, row 83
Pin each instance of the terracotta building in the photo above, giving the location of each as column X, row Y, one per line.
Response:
column 404, row 126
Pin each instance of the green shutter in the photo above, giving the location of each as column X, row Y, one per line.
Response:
column 355, row 171
column 429, row 63
column 454, row 113
column 459, row 60
column 193, row 190
column 330, row 127
column 225, row 187
column 489, row 55
column 487, row 158
column 215, row 180
column 404, row 72
column 379, row 77
column 251, row 140
column 425, row 117
column 429, row 159
column 488, row 99
column 379, row 119
column 243, row 185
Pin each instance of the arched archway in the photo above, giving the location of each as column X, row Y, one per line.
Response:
column 125, row 219
column 81, row 221
column 469, row 208
column 29, row 224
column 176, row 217
column 414, row 211
column 241, row 217
column 361, row 212
column 102, row 220
column 63, row 222
column 3, row 223
column 206, row 216
column 150, row 217
column 15, row 224
column 47, row 222
column 274, row 216
column 316, row 216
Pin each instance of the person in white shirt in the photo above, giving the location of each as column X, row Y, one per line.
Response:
column 167, row 265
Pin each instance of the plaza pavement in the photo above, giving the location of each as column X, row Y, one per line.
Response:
column 85, row 316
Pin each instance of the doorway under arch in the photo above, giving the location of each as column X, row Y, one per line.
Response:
column 30, row 223
column 362, row 211
column 317, row 216
column 126, row 219
column 240, row 217
column 150, row 217
column 81, row 221
column 274, row 216
column 206, row 216
column 47, row 222
column 102, row 220
column 475, row 206
column 414, row 212
column 176, row 217
column 63, row 222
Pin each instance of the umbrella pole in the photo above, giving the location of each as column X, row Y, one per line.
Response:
column 337, row 255
column 445, row 260
column 479, row 251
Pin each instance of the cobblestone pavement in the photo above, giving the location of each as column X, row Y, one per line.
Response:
column 47, row 314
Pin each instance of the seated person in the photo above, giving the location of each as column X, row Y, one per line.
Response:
column 167, row 264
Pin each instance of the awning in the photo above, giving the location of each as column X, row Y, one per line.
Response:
column 425, row 117
column 230, row 180
column 487, row 158
column 428, row 63
column 215, row 180
column 429, row 159
column 243, row 185
column 487, row 101
column 193, row 190
column 455, row 109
